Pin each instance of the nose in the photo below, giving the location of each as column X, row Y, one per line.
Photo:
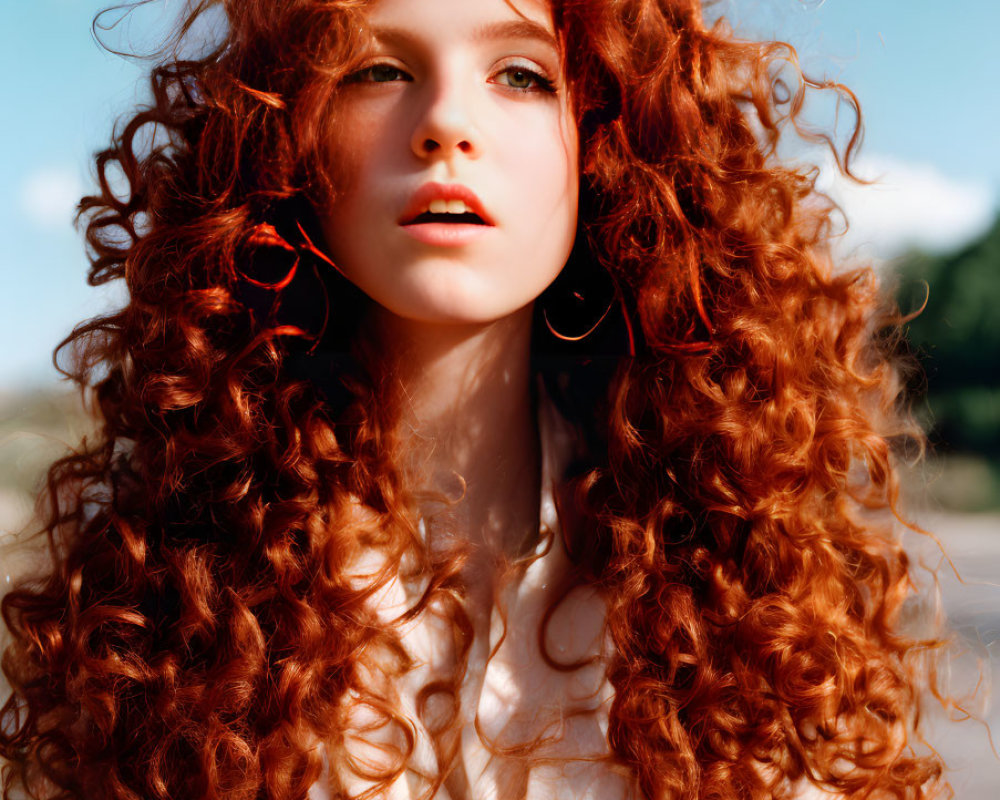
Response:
column 446, row 125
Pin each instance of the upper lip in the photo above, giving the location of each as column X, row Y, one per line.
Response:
column 442, row 191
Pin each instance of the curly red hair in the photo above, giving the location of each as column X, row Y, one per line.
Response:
column 197, row 631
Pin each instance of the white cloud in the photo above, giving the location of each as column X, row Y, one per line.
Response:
column 907, row 205
column 49, row 196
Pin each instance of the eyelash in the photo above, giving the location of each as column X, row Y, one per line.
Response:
column 542, row 84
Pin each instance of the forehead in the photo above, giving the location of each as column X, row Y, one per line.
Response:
column 468, row 20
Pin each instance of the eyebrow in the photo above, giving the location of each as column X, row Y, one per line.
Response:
column 493, row 31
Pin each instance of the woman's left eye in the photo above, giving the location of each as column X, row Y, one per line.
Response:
column 524, row 79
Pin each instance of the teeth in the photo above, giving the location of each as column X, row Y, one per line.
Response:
column 448, row 207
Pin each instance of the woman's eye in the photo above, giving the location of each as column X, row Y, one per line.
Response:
column 524, row 79
column 379, row 73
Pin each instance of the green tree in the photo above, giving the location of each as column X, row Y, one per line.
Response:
column 957, row 338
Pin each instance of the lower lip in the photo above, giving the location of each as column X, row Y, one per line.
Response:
column 446, row 234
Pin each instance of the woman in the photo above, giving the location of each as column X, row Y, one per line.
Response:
column 316, row 549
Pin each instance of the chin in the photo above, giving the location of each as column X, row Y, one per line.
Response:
column 470, row 312
column 455, row 302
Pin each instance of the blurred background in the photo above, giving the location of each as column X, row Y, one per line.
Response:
column 926, row 75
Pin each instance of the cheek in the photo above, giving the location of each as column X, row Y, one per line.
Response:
column 353, row 147
column 548, row 189
column 546, row 157
column 537, row 168
column 351, row 167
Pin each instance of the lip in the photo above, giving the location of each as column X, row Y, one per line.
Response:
column 443, row 191
column 446, row 234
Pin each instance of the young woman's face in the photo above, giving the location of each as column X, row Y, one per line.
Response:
column 455, row 152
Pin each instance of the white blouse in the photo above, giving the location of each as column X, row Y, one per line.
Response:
column 514, row 695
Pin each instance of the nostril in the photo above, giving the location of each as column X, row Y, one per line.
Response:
column 433, row 145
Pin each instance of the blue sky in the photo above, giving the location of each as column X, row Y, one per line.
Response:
column 926, row 73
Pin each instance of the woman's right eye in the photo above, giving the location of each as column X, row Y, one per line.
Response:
column 379, row 73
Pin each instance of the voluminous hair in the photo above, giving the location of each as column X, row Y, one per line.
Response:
column 198, row 630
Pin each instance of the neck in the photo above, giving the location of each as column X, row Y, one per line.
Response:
column 466, row 425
